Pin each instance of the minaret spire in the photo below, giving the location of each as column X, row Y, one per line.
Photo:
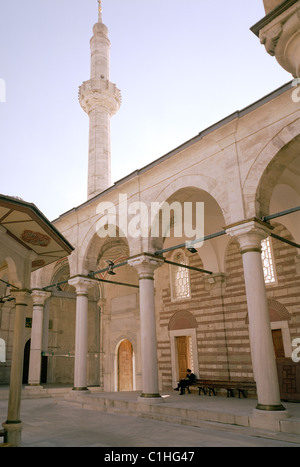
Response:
column 99, row 11
column 100, row 99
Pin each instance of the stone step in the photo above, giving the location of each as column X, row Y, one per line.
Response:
column 185, row 416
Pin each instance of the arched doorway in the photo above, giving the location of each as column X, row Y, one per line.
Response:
column 125, row 366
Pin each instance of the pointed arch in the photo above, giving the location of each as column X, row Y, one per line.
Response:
column 267, row 168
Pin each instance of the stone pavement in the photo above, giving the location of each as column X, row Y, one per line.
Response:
column 58, row 417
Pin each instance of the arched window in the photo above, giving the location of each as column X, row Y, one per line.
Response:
column 180, row 278
column 2, row 351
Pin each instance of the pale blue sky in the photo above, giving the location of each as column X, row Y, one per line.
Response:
column 181, row 66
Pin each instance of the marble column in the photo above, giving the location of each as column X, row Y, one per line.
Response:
column 101, row 304
column 250, row 235
column 82, row 285
column 39, row 298
column 145, row 265
column 13, row 426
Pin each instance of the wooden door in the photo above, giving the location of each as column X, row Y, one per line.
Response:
column 278, row 344
column 183, row 355
column 125, row 367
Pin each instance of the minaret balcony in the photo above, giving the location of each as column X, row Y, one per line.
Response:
column 100, row 93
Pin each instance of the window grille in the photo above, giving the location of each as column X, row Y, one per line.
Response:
column 180, row 278
column 268, row 261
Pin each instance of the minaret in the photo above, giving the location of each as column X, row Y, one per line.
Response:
column 100, row 99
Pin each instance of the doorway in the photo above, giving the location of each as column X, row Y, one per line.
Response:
column 44, row 369
column 125, row 366
column 278, row 343
column 26, row 362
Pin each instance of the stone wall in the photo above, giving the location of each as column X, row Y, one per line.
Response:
column 222, row 331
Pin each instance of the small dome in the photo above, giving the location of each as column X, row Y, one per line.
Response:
column 100, row 28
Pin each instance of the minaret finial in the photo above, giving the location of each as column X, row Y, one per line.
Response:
column 100, row 11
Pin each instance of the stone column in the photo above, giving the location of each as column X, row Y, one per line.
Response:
column 39, row 298
column 82, row 285
column 101, row 304
column 13, row 426
column 250, row 235
column 145, row 265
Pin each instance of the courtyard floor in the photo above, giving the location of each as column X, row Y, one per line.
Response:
column 112, row 420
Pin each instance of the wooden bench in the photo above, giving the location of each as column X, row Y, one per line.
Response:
column 212, row 386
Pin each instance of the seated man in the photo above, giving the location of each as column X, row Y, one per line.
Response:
column 186, row 383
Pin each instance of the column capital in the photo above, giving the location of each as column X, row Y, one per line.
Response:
column 82, row 284
column 250, row 233
column 145, row 264
column 39, row 296
column 21, row 296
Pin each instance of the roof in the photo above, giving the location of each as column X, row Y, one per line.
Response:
column 29, row 227
column 273, row 14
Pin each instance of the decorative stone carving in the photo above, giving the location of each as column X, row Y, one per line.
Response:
column 279, row 32
column 271, row 38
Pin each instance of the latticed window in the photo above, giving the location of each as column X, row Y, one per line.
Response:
column 268, row 261
column 180, row 278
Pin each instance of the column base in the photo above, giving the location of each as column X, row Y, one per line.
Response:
column 80, row 389
column 13, row 433
column 270, row 408
column 150, row 399
column 267, row 419
column 33, row 386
